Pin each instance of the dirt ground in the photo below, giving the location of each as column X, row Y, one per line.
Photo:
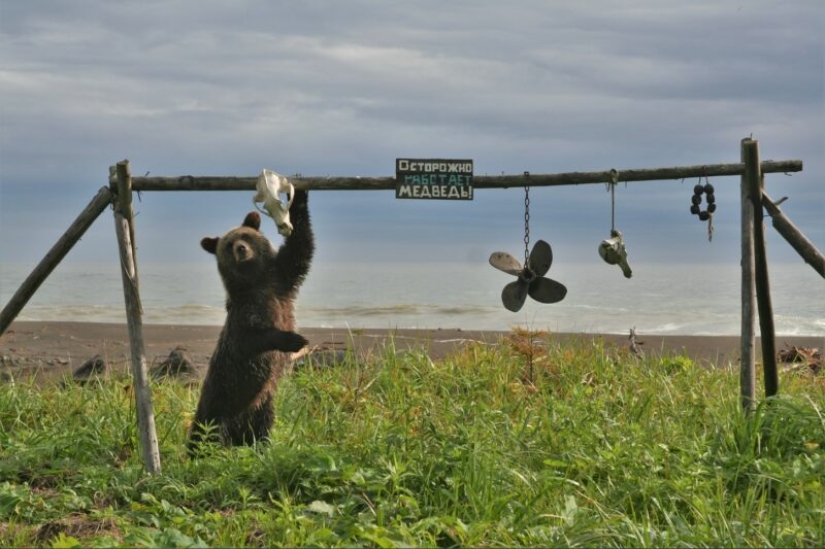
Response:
column 50, row 350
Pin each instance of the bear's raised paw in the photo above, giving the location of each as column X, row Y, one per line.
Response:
column 291, row 342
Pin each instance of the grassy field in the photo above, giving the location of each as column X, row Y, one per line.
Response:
column 524, row 444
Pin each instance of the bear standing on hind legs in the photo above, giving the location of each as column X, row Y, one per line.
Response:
column 252, row 353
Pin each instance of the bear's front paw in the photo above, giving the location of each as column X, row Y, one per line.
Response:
column 292, row 342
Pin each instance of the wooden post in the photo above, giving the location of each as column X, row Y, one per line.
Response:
column 755, row 182
column 747, row 372
column 143, row 393
column 794, row 236
column 102, row 199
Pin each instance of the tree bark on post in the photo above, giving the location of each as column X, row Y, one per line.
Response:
column 128, row 263
column 747, row 372
column 755, row 182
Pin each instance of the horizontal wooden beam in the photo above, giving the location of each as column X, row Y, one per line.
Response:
column 336, row 183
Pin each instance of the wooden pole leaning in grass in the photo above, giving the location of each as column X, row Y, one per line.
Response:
column 794, row 236
column 747, row 367
column 54, row 256
column 755, row 182
column 143, row 394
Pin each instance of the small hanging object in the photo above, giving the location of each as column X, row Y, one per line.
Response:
column 612, row 250
column 696, row 204
column 270, row 187
column 531, row 280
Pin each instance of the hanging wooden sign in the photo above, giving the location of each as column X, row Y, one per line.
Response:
column 434, row 178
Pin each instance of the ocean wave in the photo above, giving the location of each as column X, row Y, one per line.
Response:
column 600, row 308
column 74, row 313
column 185, row 314
column 667, row 299
column 395, row 309
column 664, row 329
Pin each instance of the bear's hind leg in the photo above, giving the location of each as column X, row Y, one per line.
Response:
column 262, row 419
column 251, row 426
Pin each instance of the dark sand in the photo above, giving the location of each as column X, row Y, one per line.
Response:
column 51, row 350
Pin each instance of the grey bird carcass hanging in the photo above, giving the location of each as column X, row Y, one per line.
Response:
column 531, row 280
column 613, row 250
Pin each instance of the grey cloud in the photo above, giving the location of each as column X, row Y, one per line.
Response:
column 344, row 88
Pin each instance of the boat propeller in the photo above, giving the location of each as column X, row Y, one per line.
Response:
column 531, row 280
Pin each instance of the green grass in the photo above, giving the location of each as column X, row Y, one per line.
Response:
column 586, row 447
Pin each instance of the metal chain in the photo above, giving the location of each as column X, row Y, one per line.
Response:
column 527, row 269
column 526, row 219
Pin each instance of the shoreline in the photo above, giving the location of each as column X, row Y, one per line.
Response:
column 49, row 350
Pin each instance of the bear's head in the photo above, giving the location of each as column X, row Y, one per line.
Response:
column 242, row 253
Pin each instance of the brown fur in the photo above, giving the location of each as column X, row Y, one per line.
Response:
column 253, row 349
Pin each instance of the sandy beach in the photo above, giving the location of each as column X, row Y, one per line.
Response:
column 51, row 350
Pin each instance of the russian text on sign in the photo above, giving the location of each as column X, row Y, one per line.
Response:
column 434, row 178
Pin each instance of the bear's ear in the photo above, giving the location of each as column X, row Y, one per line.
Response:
column 210, row 244
column 253, row 220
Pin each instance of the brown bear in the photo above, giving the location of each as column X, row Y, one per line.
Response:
column 253, row 349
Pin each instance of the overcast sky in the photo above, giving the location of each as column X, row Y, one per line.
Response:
column 344, row 88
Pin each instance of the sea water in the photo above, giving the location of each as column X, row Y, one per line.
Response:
column 659, row 299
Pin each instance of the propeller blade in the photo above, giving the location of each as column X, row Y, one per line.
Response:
column 505, row 262
column 547, row 290
column 514, row 295
column 541, row 257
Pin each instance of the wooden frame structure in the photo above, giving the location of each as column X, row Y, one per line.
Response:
column 755, row 285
